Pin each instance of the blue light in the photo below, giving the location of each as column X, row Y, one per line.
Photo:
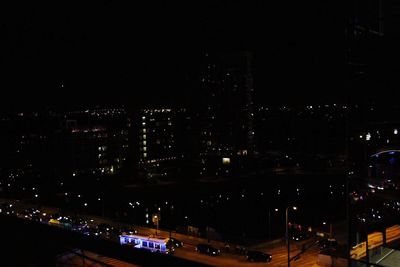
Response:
column 391, row 152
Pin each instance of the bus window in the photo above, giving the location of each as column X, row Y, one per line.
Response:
column 156, row 245
column 151, row 245
column 137, row 241
column 144, row 244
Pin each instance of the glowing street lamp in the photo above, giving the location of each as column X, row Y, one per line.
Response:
column 269, row 221
column 156, row 220
column 287, row 233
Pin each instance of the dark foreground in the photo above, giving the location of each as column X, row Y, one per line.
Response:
column 24, row 243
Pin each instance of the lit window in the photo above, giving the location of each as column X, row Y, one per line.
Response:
column 144, row 136
column 144, row 154
column 144, row 142
column 144, row 148
column 143, row 123
column 144, row 130
column 226, row 161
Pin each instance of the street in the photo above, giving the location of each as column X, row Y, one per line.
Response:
column 277, row 250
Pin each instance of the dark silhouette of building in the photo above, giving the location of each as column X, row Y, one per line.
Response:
column 93, row 141
column 226, row 114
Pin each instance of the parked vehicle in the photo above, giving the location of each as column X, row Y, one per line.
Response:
column 258, row 256
column 327, row 243
column 300, row 236
column 175, row 242
column 208, row 249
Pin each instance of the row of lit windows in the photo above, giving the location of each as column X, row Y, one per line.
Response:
column 157, row 110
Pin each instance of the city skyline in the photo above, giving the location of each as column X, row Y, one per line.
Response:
column 210, row 133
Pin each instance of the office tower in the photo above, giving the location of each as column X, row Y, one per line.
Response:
column 227, row 134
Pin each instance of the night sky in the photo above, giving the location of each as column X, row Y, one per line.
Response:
column 107, row 52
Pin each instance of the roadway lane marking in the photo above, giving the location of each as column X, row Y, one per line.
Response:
column 384, row 257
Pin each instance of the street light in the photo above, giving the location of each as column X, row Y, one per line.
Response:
column 156, row 220
column 287, row 234
column 269, row 221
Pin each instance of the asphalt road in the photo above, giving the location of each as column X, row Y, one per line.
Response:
column 279, row 258
column 278, row 252
column 91, row 260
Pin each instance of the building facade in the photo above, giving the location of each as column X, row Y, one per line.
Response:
column 227, row 133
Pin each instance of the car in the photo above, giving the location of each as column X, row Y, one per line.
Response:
column 104, row 228
column 207, row 249
column 327, row 243
column 66, row 222
column 127, row 230
column 54, row 222
column 6, row 208
column 30, row 214
column 175, row 242
column 258, row 256
column 89, row 231
column 170, row 250
column 107, row 231
column 79, row 224
column 300, row 236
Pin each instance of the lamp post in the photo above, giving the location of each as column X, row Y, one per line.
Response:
column 269, row 221
column 287, row 234
column 156, row 220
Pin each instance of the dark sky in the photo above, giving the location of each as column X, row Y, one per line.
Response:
column 108, row 52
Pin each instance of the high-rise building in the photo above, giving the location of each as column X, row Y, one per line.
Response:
column 160, row 146
column 157, row 135
column 227, row 134
column 94, row 141
column 364, row 51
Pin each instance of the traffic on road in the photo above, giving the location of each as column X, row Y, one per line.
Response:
column 213, row 253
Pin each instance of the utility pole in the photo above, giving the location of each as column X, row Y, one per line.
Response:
column 269, row 223
column 287, row 234
column 287, row 237
column 156, row 219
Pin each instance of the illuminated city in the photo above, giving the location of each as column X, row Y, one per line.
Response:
column 200, row 134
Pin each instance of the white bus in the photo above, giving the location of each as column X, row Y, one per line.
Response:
column 154, row 244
